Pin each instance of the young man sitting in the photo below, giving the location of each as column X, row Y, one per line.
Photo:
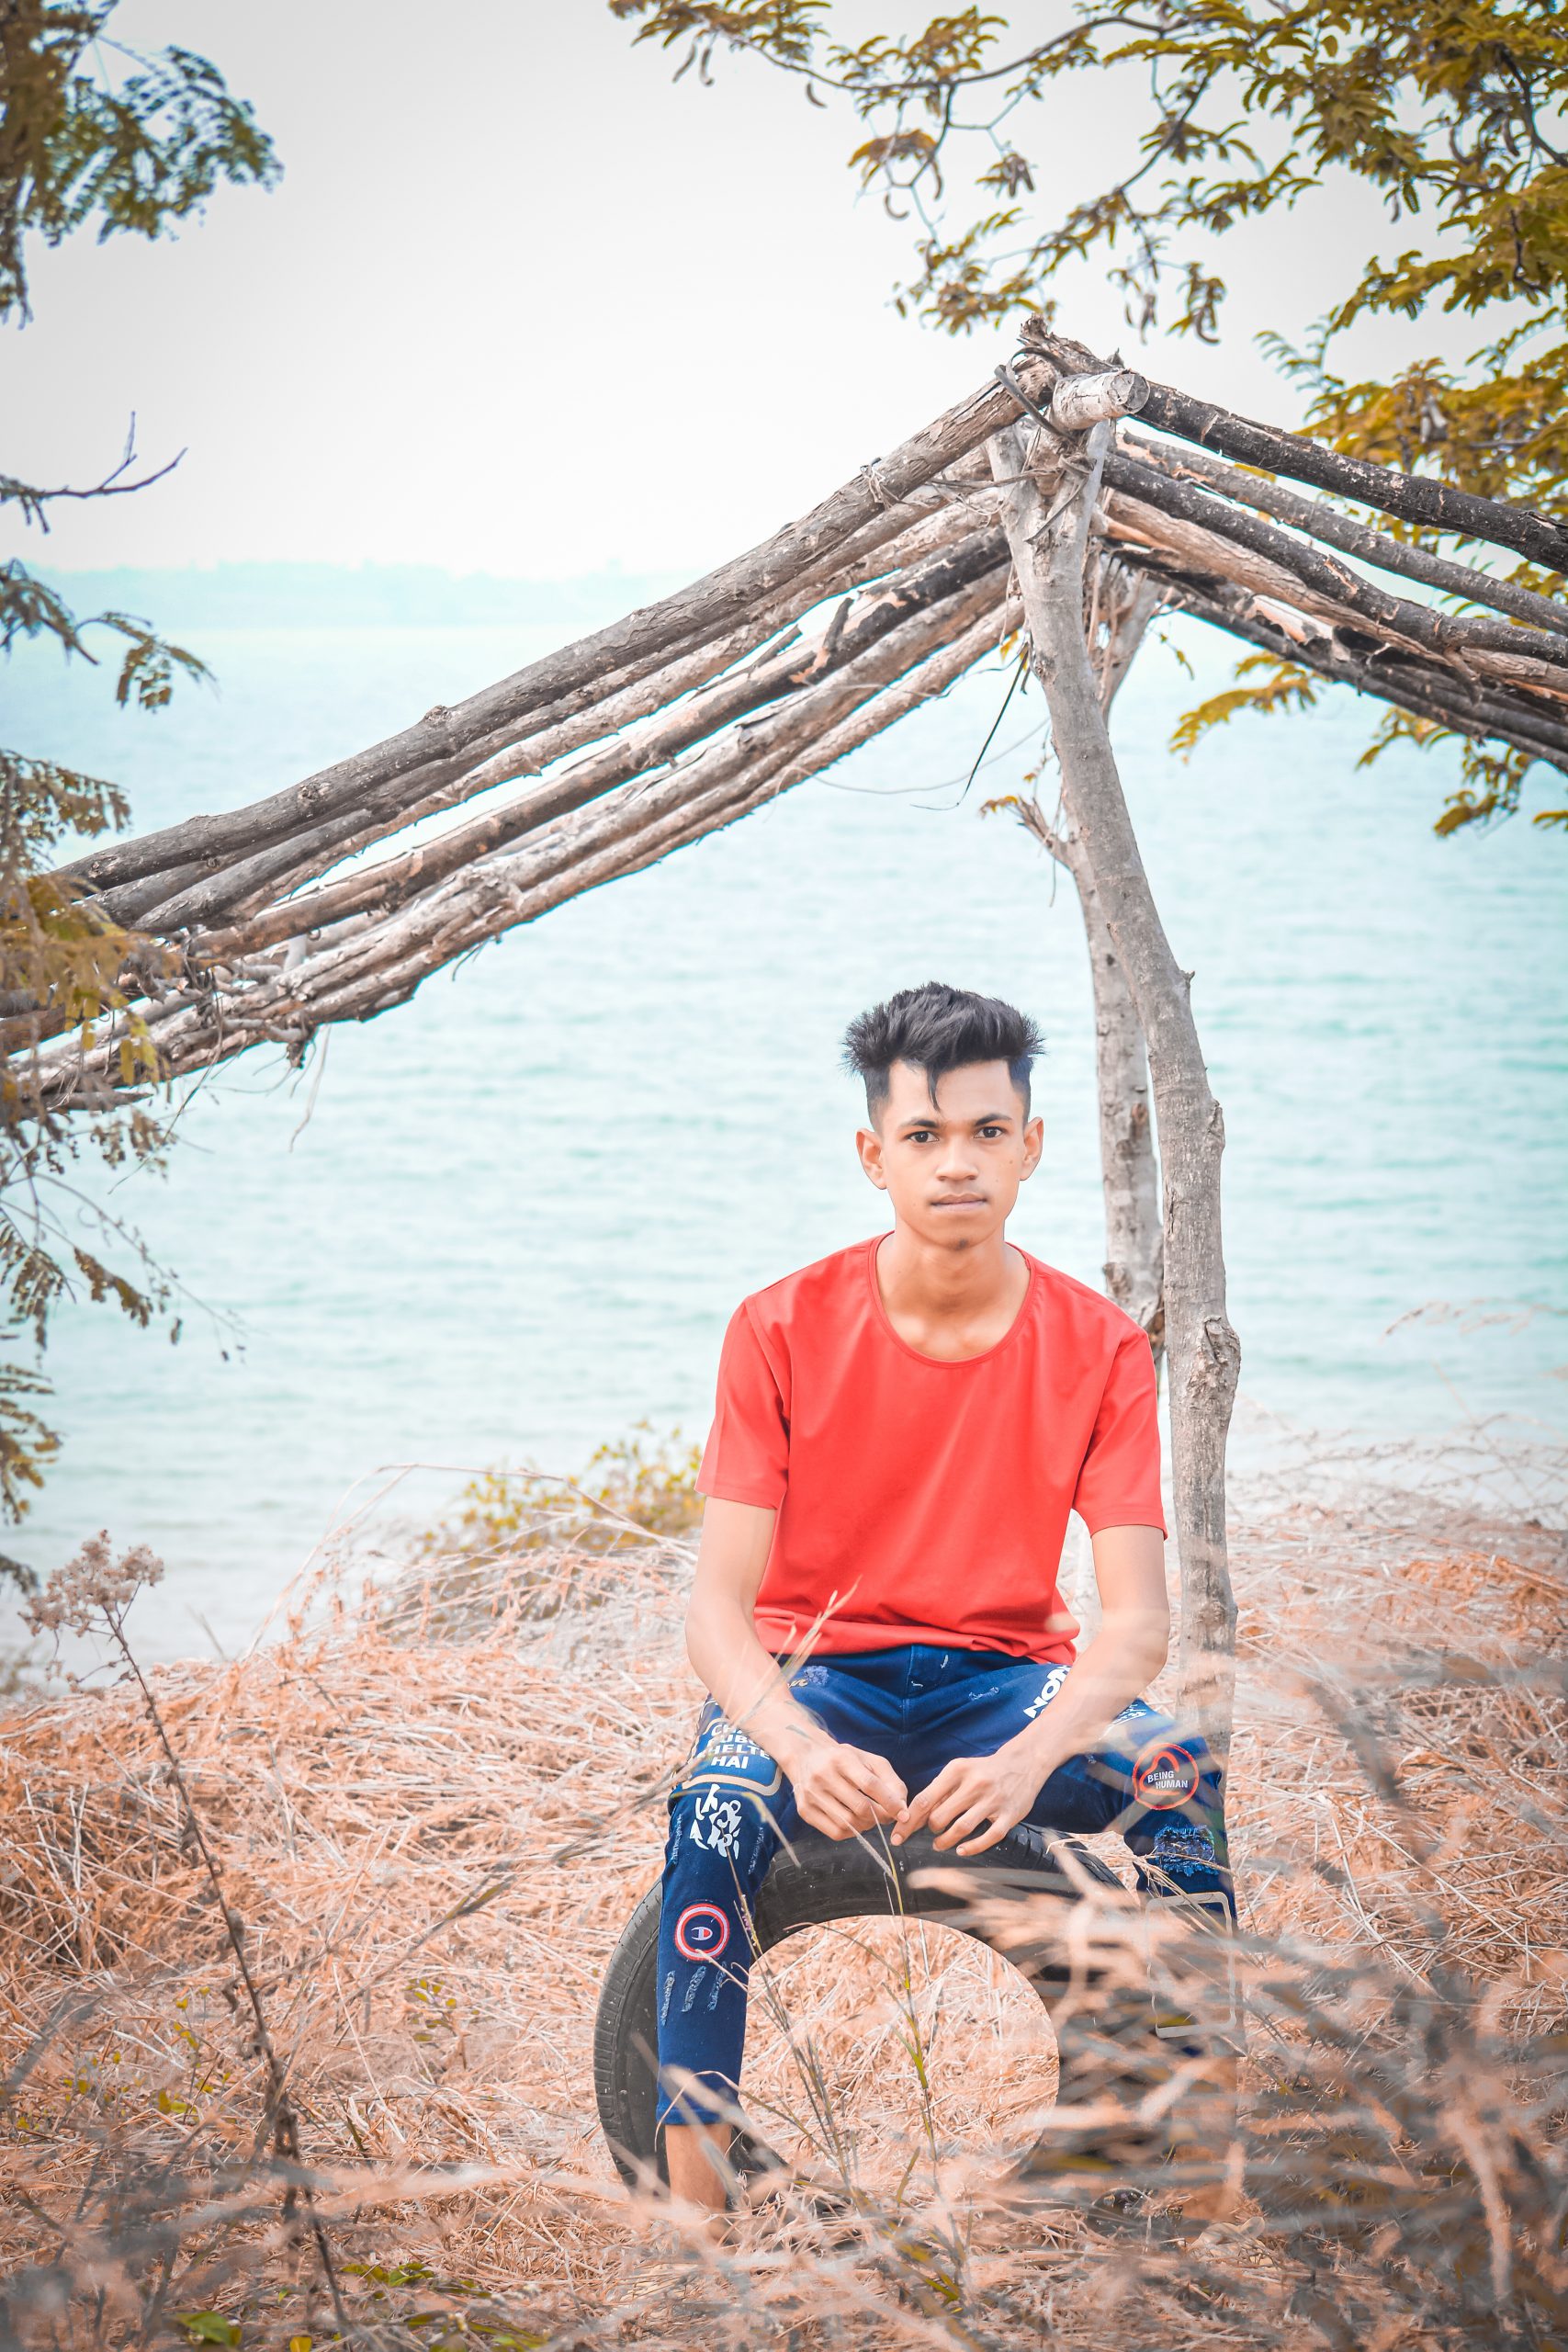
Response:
column 901, row 1431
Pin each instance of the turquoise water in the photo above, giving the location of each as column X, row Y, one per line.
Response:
column 523, row 1206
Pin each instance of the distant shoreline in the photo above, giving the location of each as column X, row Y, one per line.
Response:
column 366, row 595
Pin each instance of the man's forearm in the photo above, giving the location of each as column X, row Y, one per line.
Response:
column 1122, row 1658
column 749, row 1684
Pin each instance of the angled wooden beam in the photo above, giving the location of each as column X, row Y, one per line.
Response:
column 1331, row 528
column 870, row 498
column 1412, row 498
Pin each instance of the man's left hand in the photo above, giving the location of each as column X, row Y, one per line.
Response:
column 971, row 1792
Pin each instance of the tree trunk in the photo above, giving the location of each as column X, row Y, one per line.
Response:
column 1048, row 544
column 1122, row 607
column 1133, row 1243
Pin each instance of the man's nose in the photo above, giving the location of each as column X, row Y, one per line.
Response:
column 956, row 1159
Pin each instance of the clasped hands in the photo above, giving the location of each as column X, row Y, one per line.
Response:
column 971, row 1804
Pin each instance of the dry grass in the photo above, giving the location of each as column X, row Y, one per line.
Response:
column 435, row 1808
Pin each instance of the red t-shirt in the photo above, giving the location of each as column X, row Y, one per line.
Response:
column 920, row 1501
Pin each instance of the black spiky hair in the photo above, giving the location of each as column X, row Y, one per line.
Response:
column 937, row 1029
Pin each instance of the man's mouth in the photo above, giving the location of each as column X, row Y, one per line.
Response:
column 959, row 1201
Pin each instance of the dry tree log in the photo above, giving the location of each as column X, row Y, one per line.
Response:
column 1235, row 587
column 1046, row 517
column 668, row 731
column 447, row 738
column 1421, row 499
column 585, row 721
column 1326, row 524
column 231, row 887
column 205, row 891
column 360, row 963
column 1493, row 648
column 1415, row 687
column 1122, row 605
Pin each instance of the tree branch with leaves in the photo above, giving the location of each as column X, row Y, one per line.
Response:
column 93, row 134
column 1452, row 113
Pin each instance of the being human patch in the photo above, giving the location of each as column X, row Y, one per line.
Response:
column 1169, row 1776
column 702, row 1932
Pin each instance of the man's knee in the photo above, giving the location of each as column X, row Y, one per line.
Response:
column 724, row 1757
column 725, row 1806
column 1169, row 1773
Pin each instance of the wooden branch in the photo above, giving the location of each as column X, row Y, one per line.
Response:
column 966, row 508
column 645, row 729
column 858, row 625
column 1326, row 524
column 1080, row 402
column 1446, row 634
column 596, row 845
column 819, row 703
column 1135, row 528
column 715, row 603
column 1125, row 602
column 1413, row 498
column 1048, row 543
column 947, row 526
column 217, row 868
column 1329, row 642
column 275, row 862
column 1421, row 691
column 763, row 783
column 379, row 963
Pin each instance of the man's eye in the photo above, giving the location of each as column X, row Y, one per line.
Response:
column 918, row 1134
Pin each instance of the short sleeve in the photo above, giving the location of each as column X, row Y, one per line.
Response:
column 746, row 1456
column 1118, row 1484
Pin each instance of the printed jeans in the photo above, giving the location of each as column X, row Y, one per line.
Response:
column 919, row 1706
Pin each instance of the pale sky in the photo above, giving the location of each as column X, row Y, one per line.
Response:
column 522, row 305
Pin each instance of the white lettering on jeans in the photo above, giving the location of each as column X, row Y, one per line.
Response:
column 721, row 1816
column 1048, row 1689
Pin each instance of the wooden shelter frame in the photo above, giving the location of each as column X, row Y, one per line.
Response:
column 1034, row 507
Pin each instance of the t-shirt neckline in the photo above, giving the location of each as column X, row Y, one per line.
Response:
column 948, row 1364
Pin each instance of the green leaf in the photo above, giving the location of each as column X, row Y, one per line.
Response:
column 209, row 2328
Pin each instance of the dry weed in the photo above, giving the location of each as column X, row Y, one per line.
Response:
column 433, row 1809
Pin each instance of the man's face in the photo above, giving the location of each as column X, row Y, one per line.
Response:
column 952, row 1167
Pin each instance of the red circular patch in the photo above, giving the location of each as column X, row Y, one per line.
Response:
column 701, row 1931
column 1169, row 1776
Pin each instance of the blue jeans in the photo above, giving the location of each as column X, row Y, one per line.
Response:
column 919, row 1706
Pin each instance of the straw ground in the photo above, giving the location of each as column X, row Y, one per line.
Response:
column 432, row 1807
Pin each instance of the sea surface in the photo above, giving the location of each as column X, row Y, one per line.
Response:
column 510, row 1219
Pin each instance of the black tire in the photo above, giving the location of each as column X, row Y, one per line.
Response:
column 828, row 1880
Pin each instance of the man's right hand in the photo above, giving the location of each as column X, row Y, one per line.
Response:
column 842, row 1790
column 837, row 1789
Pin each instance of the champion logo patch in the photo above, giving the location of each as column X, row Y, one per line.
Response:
column 1167, row 1777
column 701, row 1931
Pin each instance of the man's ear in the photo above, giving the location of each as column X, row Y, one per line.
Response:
column 868, row 1143
column 1033, row 1145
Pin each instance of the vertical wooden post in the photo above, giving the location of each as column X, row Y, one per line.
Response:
column 1122, row 609
column 1048, row 542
